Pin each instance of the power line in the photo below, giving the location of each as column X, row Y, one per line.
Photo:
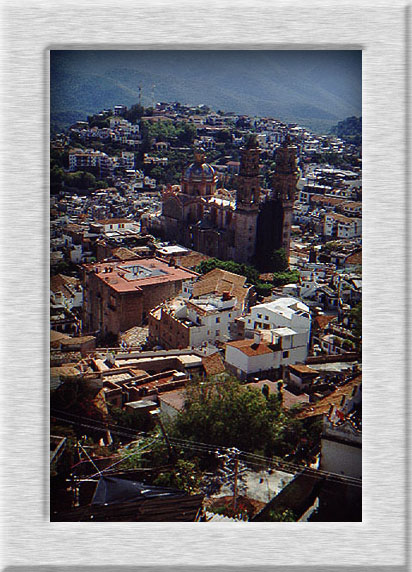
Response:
column 250, row 458
column 207, row 447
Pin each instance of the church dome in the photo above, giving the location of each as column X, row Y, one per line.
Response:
column 196, row 172
column 199, row 171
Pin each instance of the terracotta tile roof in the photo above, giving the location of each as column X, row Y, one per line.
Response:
column 175, row 399
column 352, row 204
column 57, row 336
column 70, row 280
column 139, row 373
column 323, row 405
column 341, row 218
column 219, row 281
column 114, row 221
column 123, row 253
column 355, row 258
column 77, row 340
column 73, row 227
column 135, row 335
column 250, row 348
column 191, row 260
column 322, row 321
column 213, row 364
column 116, row 279
column 57, row 357
column 326, row 200
column 68, row 369
column 58, row 283
column 302, row 368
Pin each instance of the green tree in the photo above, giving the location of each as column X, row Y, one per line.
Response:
column 57, row 176
column 81, row 180
column 101, row 184
column 287, row 277
column 149, row 451
column 223, row 136
column 134, row 113
column 60, row 158
column 285, row 516
column 279, row 260
column 227, row 414
column 263, row 288
column 184, row 476
column 138, row 420
column 186, row 134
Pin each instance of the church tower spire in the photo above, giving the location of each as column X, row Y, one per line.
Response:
column 248, row 181
column 284, row 183
column 247, row 201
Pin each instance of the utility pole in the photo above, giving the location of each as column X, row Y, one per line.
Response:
column 172, row 452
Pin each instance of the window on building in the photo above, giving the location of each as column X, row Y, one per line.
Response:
column 259, row 315
column 217, row 333
column 217, row 320
column 285, row 354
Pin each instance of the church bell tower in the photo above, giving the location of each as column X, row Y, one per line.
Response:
column 284, row 183
column 247, row 201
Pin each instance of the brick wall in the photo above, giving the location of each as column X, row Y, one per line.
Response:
column 168, row 332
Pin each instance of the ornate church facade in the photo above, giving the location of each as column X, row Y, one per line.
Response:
column 232, row 225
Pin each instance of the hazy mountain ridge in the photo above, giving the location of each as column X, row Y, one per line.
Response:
column 306, row 87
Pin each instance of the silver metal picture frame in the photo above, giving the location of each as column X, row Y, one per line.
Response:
column 30, row 29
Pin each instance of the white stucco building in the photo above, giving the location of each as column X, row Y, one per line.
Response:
column 267, row 352
column 341, row 443
column 341, row 226
column 184, row 322
column 283, row 312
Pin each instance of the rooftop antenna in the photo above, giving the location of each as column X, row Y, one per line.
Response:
column 140, row 95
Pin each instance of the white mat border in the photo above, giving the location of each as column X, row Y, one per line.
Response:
column 30, row 28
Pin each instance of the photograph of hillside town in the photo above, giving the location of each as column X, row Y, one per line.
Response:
column 205, row 286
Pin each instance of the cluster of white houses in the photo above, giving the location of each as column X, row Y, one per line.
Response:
column 258, row 339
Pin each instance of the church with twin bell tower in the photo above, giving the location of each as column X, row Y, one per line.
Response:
column 233, row 226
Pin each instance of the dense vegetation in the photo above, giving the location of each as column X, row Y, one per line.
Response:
column 350, row 130
column 228, row 414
